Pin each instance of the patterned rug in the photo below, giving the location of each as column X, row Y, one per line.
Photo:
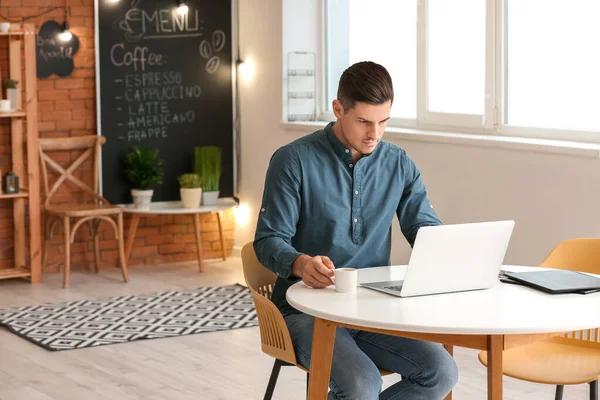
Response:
column 89, row 323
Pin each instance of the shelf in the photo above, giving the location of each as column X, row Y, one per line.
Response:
column 12, row 33
column 12, row 114
column 301, row 95
column 20, row 195
column 301, row 72
column 301, row 117
column 21, row 148
column 14, row 273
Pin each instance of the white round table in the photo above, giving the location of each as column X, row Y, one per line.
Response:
column 175, row 208
column 502, row 317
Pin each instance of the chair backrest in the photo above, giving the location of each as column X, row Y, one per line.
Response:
column 274, row 334
column 89, row 146
column 579, row 255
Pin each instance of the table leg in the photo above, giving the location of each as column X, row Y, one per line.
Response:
column 450, row 349
column 321, row 357
column 219, row 215
column 198, row 240
column 135, row 219
column 494, row 367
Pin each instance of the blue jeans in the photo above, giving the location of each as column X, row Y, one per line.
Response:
column 429, row 371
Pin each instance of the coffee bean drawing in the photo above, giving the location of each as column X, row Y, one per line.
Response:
column 205, row 49
column 214, row 46
column 218, row 40
column 213, row 64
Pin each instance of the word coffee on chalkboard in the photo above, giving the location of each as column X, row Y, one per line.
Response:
column 165, row 82
column 54, row 55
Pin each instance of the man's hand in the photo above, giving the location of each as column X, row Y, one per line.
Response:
column 315, row 272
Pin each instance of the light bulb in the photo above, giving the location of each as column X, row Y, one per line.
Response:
column 66, row 34
column 182, row 9
column 241, row 214
column 246, row 70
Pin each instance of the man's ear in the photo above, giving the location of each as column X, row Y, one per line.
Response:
column 338, row 109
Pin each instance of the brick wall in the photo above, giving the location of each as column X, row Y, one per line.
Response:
column 67, row 107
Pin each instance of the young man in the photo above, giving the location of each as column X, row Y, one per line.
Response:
column 329, row 201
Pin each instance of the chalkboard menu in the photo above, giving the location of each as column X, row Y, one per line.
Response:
column 165, row 82
column 53, row 55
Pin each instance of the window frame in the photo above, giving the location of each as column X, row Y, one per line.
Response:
column 493, row 121
column 431, row 119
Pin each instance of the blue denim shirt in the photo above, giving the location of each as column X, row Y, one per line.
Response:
column 317, row 202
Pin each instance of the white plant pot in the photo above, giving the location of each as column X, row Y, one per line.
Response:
column 190, row 197
column 13, row 96
column 210, row 198
column 142, row 198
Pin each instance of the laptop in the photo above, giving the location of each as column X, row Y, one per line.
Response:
column 452, row 258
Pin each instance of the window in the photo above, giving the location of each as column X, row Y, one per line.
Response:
column 553, row 71
column 383, row 31
column 453, row 60
column 456, row 56
column 525, row 68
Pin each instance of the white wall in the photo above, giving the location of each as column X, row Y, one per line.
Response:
column 260, row 33
column 552, row 197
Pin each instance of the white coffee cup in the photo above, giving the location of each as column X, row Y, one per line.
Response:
column 5, row 105
column 4, row 26
column 346, row 280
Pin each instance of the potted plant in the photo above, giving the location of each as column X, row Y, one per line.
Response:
column 207, row 160
column 12, row 93
column 144, row 170
column 190, row 191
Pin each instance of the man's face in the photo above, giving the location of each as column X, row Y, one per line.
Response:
column 362, row 127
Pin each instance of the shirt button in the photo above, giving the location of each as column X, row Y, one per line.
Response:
column 262, row 210
column 356, row 192
column 355, row 219
column 351, row 165
column 347, row 151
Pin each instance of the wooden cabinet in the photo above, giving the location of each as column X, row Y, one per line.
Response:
column 24, row 155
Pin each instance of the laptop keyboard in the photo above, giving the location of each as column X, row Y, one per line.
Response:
column 393, row 287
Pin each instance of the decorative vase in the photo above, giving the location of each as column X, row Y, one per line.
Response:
column 142, row 198
column 210, row 198
column 13, row 96
column 190, row 197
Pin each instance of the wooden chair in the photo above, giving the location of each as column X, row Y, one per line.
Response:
column 94, row 212
column 274, row 334
column 570, row 359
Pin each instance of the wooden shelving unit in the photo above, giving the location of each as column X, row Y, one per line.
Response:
column 22, row 194
column 13, row 33
column 24, row 152
column 16, row 114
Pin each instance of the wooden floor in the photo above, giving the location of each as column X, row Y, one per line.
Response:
column 219, row 365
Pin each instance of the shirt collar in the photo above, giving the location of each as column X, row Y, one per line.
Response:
column 344, row 152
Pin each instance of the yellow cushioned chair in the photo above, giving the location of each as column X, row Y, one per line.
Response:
column 570, row 359
column 274, row 334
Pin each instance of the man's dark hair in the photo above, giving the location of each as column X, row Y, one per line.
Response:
column 365, row 82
